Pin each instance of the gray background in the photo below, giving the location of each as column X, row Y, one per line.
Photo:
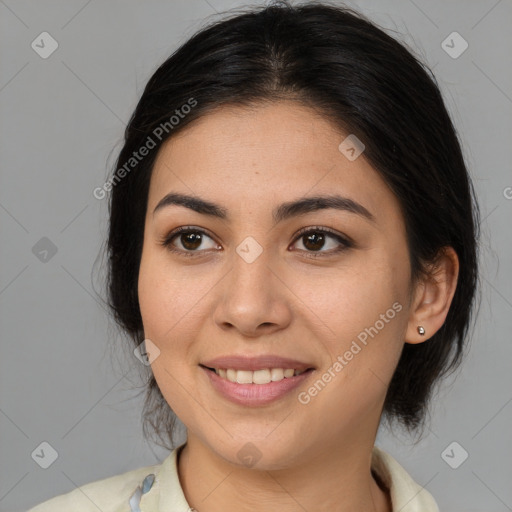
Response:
column 61, row 118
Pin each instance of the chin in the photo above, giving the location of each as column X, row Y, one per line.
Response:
column 261, row 453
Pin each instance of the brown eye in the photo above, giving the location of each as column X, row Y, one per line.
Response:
column 313, row 240
column 190, row 240
column 316, row 239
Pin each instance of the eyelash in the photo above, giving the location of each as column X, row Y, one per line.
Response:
column 346, row 243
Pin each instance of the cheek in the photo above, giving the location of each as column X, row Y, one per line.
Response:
column 352, row 297
column 169, row 298
column 168, row 301
column 360, row 313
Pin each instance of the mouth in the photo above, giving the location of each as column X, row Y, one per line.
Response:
column 258, row 377
column 257, row 380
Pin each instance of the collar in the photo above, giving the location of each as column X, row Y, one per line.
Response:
column 164, row 491
column 406, row 494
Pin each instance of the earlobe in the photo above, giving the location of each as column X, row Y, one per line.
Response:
column 434, row 296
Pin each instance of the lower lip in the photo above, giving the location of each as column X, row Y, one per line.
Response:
column 255, row 394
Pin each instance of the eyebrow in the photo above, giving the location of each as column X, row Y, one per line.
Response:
column 282, row 212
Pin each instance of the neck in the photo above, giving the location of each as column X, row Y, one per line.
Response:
column 334, row 479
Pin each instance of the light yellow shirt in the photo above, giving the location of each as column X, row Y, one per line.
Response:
column 163, row 492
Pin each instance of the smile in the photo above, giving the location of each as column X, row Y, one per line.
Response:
column 263, row 376
column 253, row 388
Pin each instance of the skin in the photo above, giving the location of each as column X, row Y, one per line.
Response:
column 313, row 456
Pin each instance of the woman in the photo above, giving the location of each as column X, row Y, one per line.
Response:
column 293, row 237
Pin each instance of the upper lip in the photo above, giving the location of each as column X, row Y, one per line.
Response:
column 255, row 363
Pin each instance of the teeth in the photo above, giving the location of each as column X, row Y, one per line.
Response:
column 276, row 374
column 257, row 377
column 260, row 377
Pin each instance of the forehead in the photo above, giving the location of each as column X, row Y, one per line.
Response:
column 264, row 155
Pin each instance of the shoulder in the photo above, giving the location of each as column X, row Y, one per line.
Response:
column 108, row 495
column 406, row 494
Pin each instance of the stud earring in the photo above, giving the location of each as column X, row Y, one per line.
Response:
column 421, row 330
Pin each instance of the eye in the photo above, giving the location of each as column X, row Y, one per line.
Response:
column 190, row 239
column 314, row 239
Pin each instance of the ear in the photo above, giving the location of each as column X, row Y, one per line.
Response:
column 433, row 296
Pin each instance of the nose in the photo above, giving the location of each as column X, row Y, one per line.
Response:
column 253, row 299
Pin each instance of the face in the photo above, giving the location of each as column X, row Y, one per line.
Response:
column 326, row 287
